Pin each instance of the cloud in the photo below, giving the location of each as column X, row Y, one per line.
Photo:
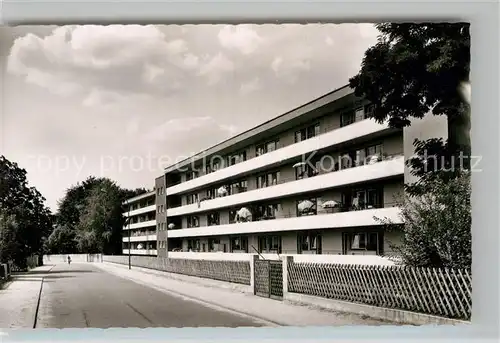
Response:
column 239, row 37
column 125, row 59
column 250, row 86
column 215, row 67
column 203, row 131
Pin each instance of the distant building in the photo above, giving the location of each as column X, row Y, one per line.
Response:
column 140, row 235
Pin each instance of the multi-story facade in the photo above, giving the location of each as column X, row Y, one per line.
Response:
column 139, row 234
column 309, row 181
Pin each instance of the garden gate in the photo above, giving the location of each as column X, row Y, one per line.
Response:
column 268, row 279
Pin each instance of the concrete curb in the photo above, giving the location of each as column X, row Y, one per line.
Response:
column 35, row 314
column 381, row 313
column 212, row 305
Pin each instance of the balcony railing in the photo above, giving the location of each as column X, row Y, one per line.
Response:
column 341, row 208
column 308, row 176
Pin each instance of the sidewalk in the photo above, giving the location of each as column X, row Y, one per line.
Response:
column 19, row 299
column 277, row 312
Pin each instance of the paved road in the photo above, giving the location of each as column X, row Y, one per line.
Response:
column 82, row 295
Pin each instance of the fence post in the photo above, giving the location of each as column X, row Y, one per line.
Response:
column 252, row 271
column 287, row 260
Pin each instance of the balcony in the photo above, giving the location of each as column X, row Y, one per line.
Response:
column 379, row 170
column 140, row 225
column 363, row 128
column 140, row 252
column 143, row 238
column 138, row 211
column 312, row 222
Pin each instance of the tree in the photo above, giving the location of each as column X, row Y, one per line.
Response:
column 62, row 240
column 27, row 221
column 437, row 225
column 100, row 226
column 415, row 69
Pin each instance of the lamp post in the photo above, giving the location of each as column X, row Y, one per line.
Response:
column 129, row 246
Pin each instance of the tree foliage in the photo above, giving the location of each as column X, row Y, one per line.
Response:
column 437, row 225
column 415, row 69
column 26, row 221
column 90, row 217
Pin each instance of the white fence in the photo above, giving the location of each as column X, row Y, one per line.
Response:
column 368, row 280
column 76, row 258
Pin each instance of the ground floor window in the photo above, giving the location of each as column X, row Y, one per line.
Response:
column 362, row 243
column 309, row 243
column 270, row 244
column 239, row 244
column 194, row 245
column 214, row 245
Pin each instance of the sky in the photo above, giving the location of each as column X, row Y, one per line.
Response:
column 125, row 101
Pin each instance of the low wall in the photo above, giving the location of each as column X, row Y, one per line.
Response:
column 334, row 259
column 222, row 270
column 77, row 258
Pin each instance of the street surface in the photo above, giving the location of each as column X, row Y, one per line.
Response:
column 83, row 296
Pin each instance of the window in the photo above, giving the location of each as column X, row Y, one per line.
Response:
column 190, row 175
column 270, row 244
column 359, row 114
column 307, row 133
column 307, row 170
column 237, row 158
column 374, row 150
column 262, row 149
column 239, row 244
column 269, row 179
column 192, row 198
column 309, row 243
column 213, row 218
column 238, row 187
column 363, row 198
column 232, row 216
column 214, row 244
column 211, row 193
column 362, row 241
column 193, row 221
column 370, row 110
column 265, row 212
column 306, row 207
column 194, row 245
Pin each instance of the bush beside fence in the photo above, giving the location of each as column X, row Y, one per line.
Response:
column 229, row 271
column 441, row 292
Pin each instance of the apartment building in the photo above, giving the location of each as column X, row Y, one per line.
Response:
column 139, row 233
column 311, row 181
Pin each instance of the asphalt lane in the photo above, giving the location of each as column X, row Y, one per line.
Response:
column 84, row 296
